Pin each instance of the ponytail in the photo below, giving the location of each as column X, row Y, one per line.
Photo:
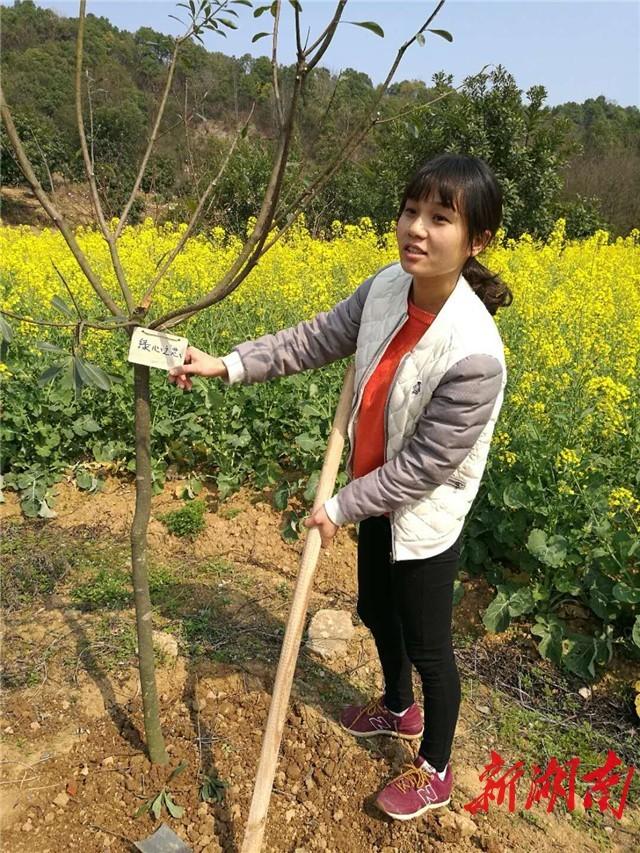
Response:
column 489, row 287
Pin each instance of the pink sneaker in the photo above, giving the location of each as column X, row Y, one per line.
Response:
column 375, row 719
column 415, row 791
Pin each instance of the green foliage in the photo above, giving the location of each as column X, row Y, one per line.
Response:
column 580, row 587
column 524, row 141
column 186, row 521
column 28, row 572
column 163, row 799
column 109, row 589
column 212, row 789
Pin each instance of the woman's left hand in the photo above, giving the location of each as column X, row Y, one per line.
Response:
column 327, row 528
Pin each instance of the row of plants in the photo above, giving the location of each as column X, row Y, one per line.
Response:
column 556, row 524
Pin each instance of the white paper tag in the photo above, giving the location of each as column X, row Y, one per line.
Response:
column 157, row 349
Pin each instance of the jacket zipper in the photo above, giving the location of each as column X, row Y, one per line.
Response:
column 386, row 414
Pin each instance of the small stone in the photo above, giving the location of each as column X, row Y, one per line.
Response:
column 329, row 631
column 608, row 830
column 28, row 826
column 203, row 810
column 198, row 704
column 8, row 730
column 165, row 643
column 49, row 817
column 464, row 825
column 107, row 762
column 66, row 705
column 484, row 709
column 338, row 815
column 72, row 788
column 34, row 726
column 585, row 692
column 235, row 811
column 289, row 815
column 85, row 770
column 293, row 771
column 61, row 800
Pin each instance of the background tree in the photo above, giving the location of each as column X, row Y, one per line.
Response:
column 274, row 215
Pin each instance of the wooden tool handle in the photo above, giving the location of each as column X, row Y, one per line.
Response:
column 291, row 643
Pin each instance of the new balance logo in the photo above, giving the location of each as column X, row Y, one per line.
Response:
column 416, row 388
column 427, row 794
column 379, row 723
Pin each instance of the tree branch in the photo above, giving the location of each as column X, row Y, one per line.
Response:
column 257, row 244
column 89, row 166
column 274, row 69
column 51, row 209
column 143, row 166
column 356, row 137
column 107, row 327
column 146, row 300
column 325, row 39
column 253, row 246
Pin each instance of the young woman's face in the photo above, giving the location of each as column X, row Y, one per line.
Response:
column 432, row 239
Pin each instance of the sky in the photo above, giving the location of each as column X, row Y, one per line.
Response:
column 576, row 49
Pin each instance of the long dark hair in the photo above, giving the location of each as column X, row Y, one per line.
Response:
column 467, row 185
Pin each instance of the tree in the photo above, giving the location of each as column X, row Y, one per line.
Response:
column 274, row 216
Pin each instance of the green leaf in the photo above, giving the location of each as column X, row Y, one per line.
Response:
column 84, row 479
column 91, row 374
column 177, row 770
column 45, row 346
column 242, row 3
column 368, row 25
column 260, row 10
column 635, row 633
column 578, row 655
column 156, row 805
column 626, row 594
column 496, row 616
column 296, row 5
column 515, row 496
column 443, row 34
column 6, row 332
column 281, row 496
column 145, row 807
column 259, row 36
column 537, row 542
column 311, row 487
column 550, row 646
column 306, row 442
column 521, row 602
column 59, row 303
column 45, row 511
column 458, row 591
column 49, row 374
column 172, row 808
column 30, row 507
column 228, row 23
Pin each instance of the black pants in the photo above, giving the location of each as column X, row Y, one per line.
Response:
column 407, row 606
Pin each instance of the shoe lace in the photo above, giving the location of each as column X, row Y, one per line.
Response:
column 373, row 707
column 412, row 777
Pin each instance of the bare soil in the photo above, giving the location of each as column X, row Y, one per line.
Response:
column 74, row 766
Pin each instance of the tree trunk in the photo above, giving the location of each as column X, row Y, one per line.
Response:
column 153, row 730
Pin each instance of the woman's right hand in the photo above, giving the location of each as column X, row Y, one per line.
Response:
column 197, row 363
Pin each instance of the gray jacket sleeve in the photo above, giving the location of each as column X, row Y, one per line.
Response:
column 446, row 431
column 331, row 335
